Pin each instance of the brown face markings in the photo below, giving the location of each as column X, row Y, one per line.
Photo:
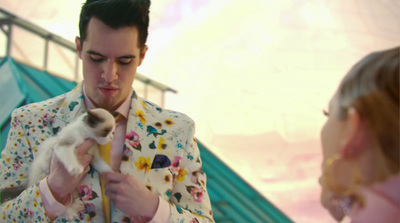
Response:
column 100, row 122
column 92, row 119
column 106, row 131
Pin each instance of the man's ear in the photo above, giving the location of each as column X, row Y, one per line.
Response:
column 355, row 135
column 143, row 52
column 78, row 46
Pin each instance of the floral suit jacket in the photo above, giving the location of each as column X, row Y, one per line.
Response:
column 160, row 150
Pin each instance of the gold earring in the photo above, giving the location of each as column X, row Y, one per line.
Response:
column 336, row 187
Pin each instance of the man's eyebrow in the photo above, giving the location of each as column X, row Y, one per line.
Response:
column 94, row 52
column 127, row 57
column 121, row 57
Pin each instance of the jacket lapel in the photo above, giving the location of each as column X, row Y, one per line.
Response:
column 72, row 107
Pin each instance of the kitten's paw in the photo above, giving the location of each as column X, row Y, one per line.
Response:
column 70, row 214
column 103, row 168
column 77, row 205
column 73, row 210
column 125, row 170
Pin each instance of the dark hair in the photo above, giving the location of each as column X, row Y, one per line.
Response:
column 372, row 88
column 116, row 14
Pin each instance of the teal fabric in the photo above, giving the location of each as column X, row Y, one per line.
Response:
column 11, row 94
column 233, row 199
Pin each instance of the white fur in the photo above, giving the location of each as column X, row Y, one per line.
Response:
column 63, row 146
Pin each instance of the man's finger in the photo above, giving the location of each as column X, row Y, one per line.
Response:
column 85, row 160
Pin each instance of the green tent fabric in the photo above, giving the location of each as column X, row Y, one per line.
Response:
column 233, row 200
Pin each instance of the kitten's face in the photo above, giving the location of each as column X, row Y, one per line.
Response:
column 102, row 124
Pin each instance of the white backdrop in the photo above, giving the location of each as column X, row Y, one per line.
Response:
column 254, row 75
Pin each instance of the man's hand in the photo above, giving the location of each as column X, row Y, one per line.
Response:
column 130, row 196
column 62, row 183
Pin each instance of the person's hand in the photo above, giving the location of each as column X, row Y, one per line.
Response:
column 130, row 196
column 60, row 181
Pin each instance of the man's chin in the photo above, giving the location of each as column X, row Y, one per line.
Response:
column 105, row 105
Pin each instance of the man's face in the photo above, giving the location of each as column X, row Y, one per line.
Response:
column 110, row 58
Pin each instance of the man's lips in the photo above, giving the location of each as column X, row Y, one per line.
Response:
column 108, row 90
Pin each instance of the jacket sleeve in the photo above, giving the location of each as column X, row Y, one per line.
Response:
column 22, row 204
column 190, row 200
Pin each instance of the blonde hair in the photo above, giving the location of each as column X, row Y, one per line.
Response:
column 372, row 88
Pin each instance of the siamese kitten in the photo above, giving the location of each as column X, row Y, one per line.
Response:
column 98, row 124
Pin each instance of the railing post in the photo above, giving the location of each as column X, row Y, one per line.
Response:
column 8, row 32
column 46, row 53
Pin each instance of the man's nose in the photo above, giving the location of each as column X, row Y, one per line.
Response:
column 111, row 71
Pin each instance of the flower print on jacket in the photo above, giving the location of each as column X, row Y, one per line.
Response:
column 181, row 175
column 151, row 130
column 28, row 214
column 14, row 122
column 16, row 167
column 196, row 192
column 195, row 177
column 194, row 220
column 46, row 120
column 86, row 193
column 177, row 172
column 169, row 122
column 91, row 210
column 72, row 105
column 162, row 145
column 177, row 161
column 133, row 140
column 143, row 164
column 143, row 104
column 140, row 115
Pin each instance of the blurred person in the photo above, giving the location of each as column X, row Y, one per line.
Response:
column 164, row 181
column 360, row 140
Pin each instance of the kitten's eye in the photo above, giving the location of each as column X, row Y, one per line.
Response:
column 325, row 113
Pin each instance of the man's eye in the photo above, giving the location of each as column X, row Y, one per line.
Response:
column 96, row 58
column 124, row 60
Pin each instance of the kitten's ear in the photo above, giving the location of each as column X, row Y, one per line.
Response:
column 92, row 119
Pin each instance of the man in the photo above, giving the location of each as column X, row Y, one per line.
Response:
column 158, row 176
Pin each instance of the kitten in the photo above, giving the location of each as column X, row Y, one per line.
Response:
column 98, row 124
